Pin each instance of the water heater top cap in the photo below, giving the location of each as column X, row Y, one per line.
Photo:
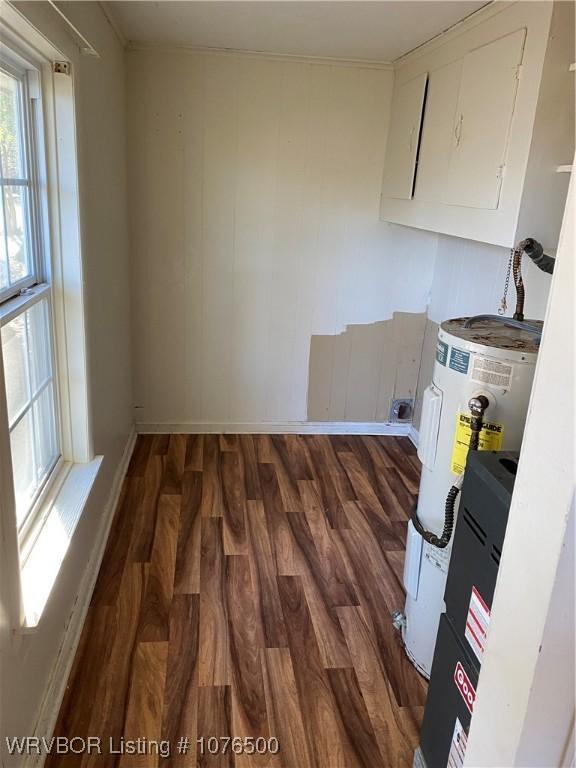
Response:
column 491, row 333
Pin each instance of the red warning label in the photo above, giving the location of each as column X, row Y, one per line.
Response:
column 477, row 623
column 464, row 686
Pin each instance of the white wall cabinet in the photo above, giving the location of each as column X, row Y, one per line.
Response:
column 400, row 165
column 482, row 122
column 498, row 118
column 437, row 132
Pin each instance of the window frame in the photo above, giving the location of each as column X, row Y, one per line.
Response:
column 30, row 569
column 19, row 297
column 30, row 525
column 35, row 245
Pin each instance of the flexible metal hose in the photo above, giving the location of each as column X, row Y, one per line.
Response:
column 478, row 406
column 535, row 251
column 442, row 541
column 449, row 515
column 518, row 282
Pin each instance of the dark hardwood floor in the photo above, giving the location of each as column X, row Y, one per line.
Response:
column 246, row 591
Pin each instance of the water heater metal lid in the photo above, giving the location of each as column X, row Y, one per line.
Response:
column 491, row 333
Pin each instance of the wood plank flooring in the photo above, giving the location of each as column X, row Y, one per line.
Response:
column 246, row 591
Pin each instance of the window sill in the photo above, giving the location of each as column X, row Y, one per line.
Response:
column 43, row 558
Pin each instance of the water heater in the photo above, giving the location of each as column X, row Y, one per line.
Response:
column 475, row 358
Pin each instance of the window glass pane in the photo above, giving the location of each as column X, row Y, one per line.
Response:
column 3, row 253
column 15, row 357
column 31, row 393
column 45, row 436
column 16, row 217
column 23, row 465
column 10, row 128
column 39, row 345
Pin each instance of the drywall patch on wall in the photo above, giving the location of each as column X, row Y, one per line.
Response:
column 355, row 375
column 254, row 194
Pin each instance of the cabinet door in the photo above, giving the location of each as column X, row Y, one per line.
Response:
column 436, row 142
column 402, row 146
column 482, row 122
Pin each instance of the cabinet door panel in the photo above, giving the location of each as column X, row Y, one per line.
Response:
column 482, row 122
column 436, row 143
column 402, row 146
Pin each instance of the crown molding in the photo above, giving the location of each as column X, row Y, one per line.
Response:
column 109, row 16
column 85, row 46
column 469, row 22
column 134, row 45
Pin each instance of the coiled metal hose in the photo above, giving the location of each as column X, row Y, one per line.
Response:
column 518, row 282
column 477, row 406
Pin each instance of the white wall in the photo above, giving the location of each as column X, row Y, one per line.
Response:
column 28, row 660
column 524, row 710
column 468, row 279
column 255, row 185
column 255, row 188
column 101, row 109
column 555, row 672
column 255, row 242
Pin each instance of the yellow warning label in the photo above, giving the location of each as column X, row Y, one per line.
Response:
column 490, row 440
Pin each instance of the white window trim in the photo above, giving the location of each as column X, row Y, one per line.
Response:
column 35, row 242
column 9, row 310
column 65, row 494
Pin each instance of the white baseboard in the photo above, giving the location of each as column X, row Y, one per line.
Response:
column 414, row 435
column 59, row 679
column 277, row 428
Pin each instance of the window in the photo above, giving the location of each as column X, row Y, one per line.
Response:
column 30, row 387
column 47, row 462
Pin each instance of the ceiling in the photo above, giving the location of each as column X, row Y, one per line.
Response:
column 374, row 31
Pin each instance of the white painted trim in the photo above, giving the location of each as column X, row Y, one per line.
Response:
column 465, row 24
column 276, row 428
column 414, row 435
column 47, row 542
column 52, row 700
column 295, row 58
column 68, row 303
column 10, row 560
column 60, row 224
column 83, row 43
column 523, row 647
column 33, row 42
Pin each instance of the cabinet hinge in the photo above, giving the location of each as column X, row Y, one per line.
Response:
column 518, row 71
column 500, row 171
